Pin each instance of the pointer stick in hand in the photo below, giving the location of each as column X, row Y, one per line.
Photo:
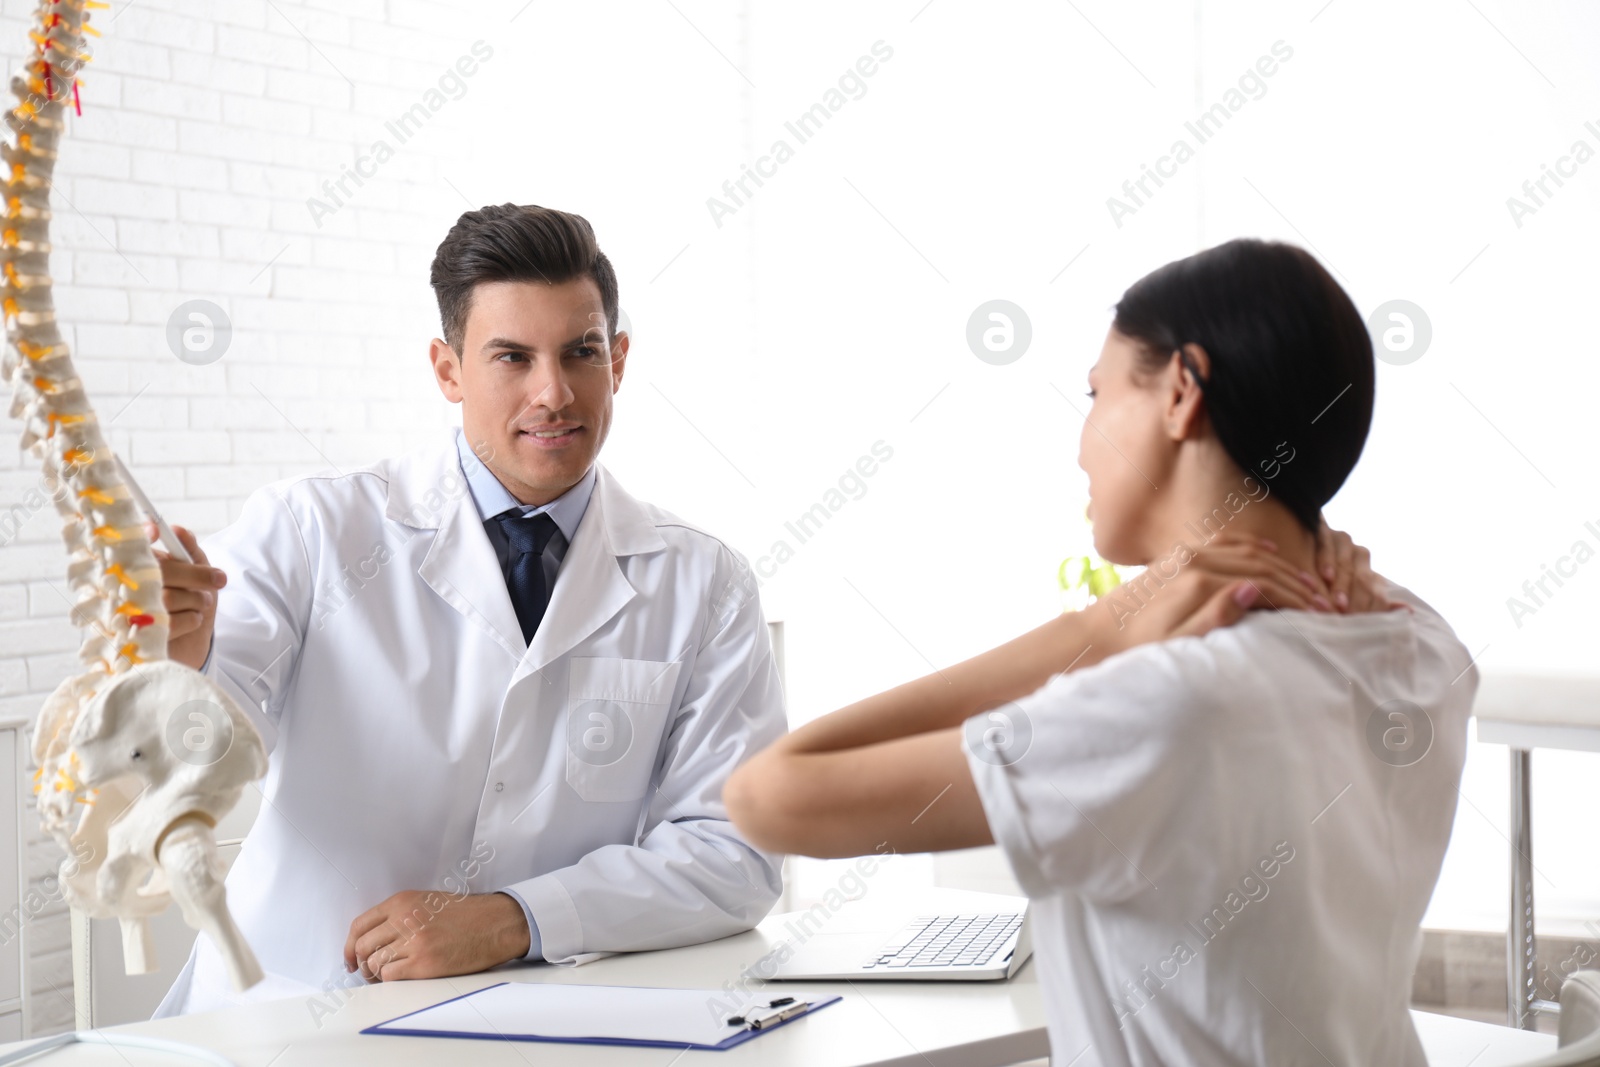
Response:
column 169, row 540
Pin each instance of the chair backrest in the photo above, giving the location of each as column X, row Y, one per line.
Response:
column 1578, row 1038
column 775, row 634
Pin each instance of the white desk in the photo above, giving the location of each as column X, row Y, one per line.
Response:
column 914, row 1024
column 904, row 1024
column 1451, row 1042
column 1525, row 712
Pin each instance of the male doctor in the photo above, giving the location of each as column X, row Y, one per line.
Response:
column 501, row 695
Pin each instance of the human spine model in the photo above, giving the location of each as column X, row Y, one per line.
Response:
column 138, row 756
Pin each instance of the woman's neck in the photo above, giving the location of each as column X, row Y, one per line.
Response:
column 1200, row 519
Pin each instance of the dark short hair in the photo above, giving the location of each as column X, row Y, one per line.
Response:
column 516, row 243
column 1291, row 360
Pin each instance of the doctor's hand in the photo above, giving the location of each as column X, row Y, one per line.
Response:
column 189, row 593
column 433, row 934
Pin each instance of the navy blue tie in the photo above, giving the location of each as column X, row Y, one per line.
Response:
column 527, row 538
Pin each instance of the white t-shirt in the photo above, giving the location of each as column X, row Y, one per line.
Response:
column 1230, row 840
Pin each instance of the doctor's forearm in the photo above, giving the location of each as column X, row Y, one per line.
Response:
column 949, row 697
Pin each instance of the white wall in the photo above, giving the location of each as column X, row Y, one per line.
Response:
column 979, row 164
column 1393, row 144
column 827, row 313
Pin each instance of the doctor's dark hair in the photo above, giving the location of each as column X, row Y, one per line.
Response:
column 516, row 243
column 1291, row 361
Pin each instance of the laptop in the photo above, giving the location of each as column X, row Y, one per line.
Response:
column 967, row 946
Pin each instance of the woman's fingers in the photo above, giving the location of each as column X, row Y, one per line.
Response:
column 1335, row 562
column 1195, row 600
column 1289, row 587
column 1231, row 599
column 1233, row 574
column 1326, row 551
column 1226, row 606
column 1343, row 570
column 1275, row 594
column 1367, row 589
column 1243, row 559
column 1355, row 586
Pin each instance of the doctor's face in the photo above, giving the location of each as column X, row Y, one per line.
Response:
column 535, row 379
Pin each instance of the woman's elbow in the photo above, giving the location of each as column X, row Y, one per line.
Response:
column 754, row 798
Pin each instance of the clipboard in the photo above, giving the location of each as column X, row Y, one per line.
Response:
column 603, row 1015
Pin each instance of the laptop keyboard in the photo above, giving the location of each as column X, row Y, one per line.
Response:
column 947, row 941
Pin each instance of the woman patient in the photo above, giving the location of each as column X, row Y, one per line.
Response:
column 1226, row 787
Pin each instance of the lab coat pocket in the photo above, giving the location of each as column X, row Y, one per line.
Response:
column 617, row 711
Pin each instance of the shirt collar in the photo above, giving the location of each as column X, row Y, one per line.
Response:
column 492, row 497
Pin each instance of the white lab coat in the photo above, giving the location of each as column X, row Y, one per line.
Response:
column 417, row 743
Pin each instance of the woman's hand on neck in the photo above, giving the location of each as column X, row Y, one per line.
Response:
column 1209, row 497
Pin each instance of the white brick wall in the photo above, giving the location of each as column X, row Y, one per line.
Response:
column 205, row 128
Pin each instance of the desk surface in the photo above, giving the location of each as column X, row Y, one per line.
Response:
column 910, row 1023
column 1527, row 709
column 914, row 1024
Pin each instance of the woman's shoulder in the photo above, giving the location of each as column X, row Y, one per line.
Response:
column 1268, row 656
